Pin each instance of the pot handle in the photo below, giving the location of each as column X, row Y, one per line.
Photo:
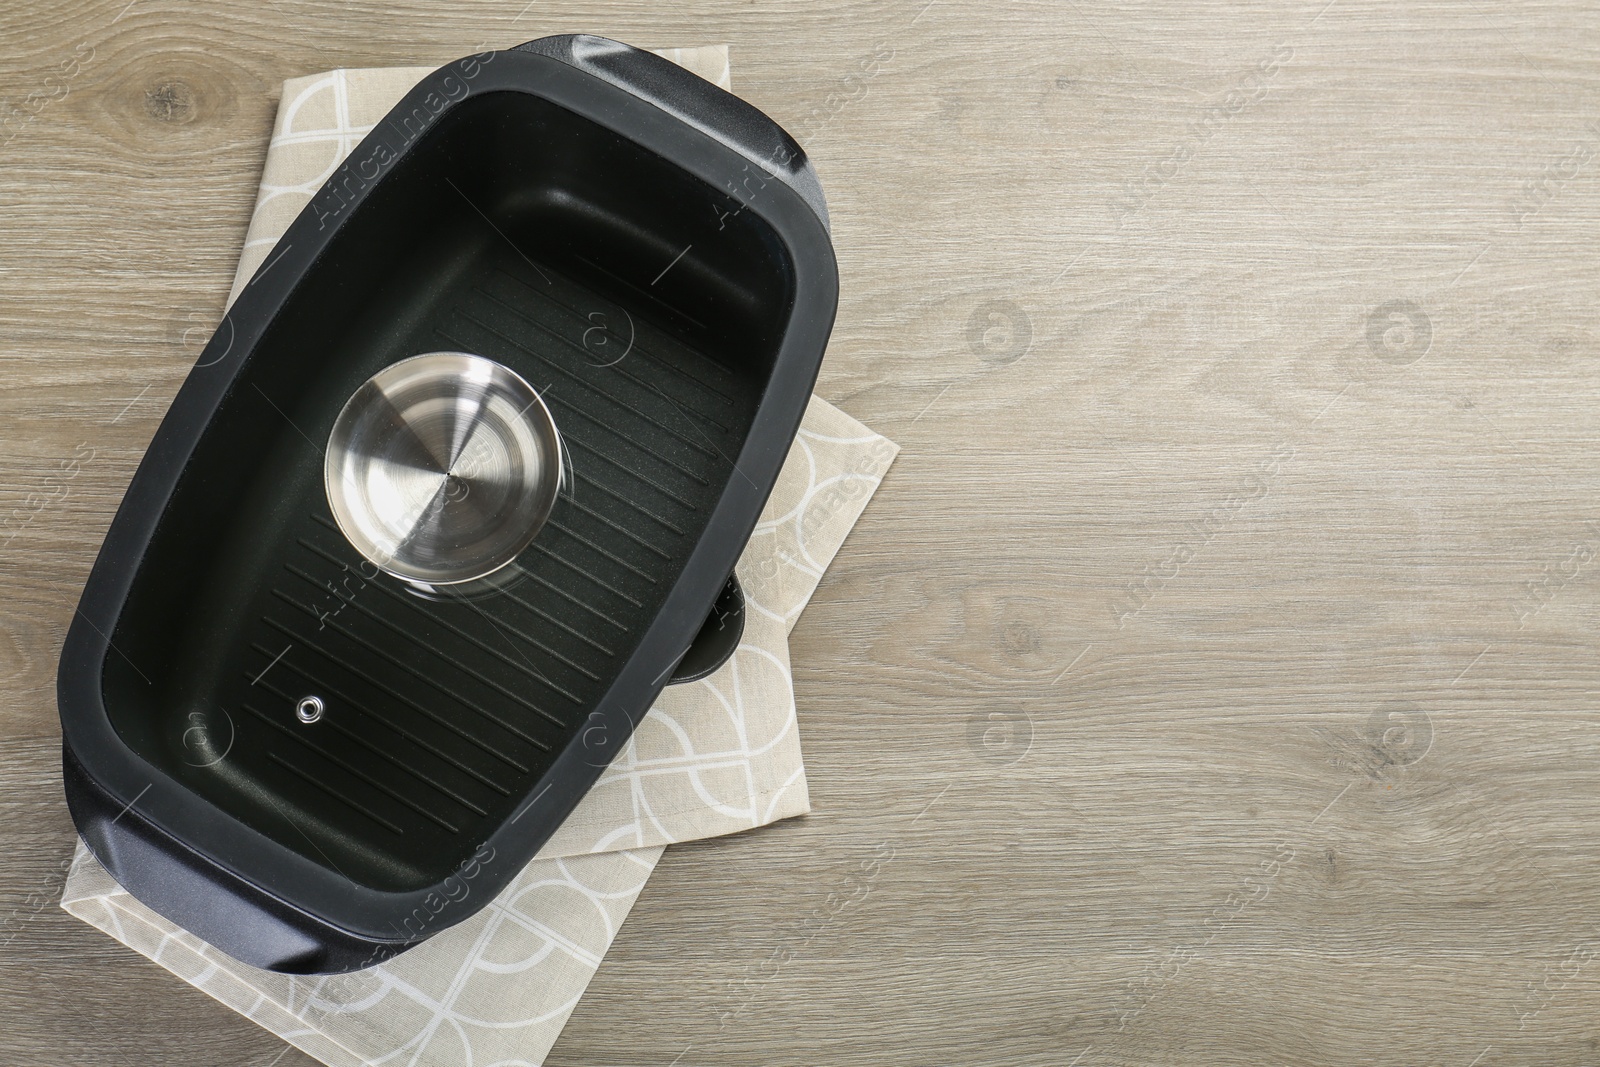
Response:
column 713, row 111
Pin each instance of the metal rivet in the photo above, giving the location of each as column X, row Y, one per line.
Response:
column 309, row 709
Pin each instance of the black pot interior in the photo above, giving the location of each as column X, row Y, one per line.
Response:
column 645, row 309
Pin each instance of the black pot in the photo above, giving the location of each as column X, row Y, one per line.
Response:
column 652, row 254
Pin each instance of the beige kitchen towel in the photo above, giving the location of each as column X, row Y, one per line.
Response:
column 712, row 757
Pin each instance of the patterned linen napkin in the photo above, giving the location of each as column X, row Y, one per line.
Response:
column 712, row 757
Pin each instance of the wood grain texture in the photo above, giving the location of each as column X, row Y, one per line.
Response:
column 1213, row 679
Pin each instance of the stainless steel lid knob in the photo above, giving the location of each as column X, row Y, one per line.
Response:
column 442, row 468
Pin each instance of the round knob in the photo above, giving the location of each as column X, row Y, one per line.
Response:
column 441, row 468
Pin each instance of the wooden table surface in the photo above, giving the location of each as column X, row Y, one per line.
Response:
column 1217, row 665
